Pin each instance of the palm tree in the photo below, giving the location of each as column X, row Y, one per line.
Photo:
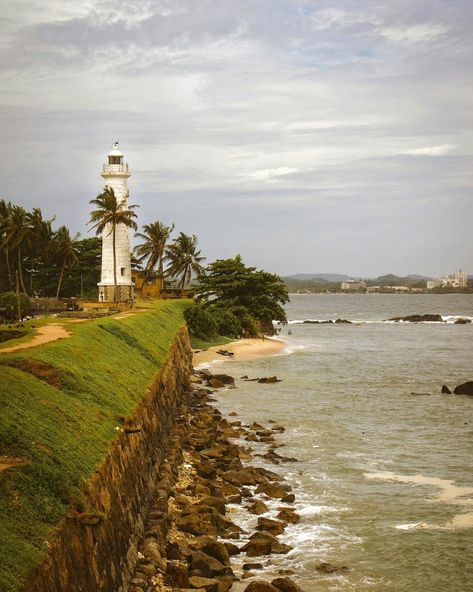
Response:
column 107, row 216
column 184, row 259
column 67, row 251
column 5, row 210
column 155, row 237
column 19, row 234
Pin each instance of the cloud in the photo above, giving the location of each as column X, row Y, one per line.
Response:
column 431, row 150
column 414, row 34
column 269, row 174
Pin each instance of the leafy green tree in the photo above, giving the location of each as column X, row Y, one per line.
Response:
column 82, row 277
column 201, row 322
column 108, row 215
column 229, row 283
column 19, row 235
column 155, row 237
column 184, row 259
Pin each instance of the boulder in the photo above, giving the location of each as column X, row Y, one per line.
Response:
column 216, row 550
column 328, row 568
column 274, row 527
column 225, row 378
column 260, row 586
column 286, row 585
column 277, row 491
column 464, row 389
column 258, row 507
column 252, row 566
column 268, row 380
column 425, row 318
column 232, row 549
column 206, row 565
column 287, row 515
column 446, row 390
column 257, row 547
column 197, row 524
column 177, row 574
column 207, row 584
column 215, row 383
column 462, row 321
column 338, row 321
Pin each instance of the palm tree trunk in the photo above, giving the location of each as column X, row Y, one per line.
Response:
column 20, row 271
column 60, row 279
column 115, row 299
column 7, row 260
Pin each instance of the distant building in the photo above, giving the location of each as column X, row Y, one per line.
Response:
column 353, row 285
column 146, row 285
column 456, row 280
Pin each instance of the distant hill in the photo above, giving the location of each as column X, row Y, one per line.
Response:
column 324, row 277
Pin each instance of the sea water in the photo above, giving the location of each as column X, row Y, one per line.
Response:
column 384, row 478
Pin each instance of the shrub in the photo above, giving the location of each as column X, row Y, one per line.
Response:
column 228, row 324
column 200, row 321
column 8, row 301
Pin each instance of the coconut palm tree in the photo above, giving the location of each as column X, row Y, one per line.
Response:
column 184, row 259
column 19, row 234
column 154, row 237
column 5, row 209
column 66, row 250
column 107, row 216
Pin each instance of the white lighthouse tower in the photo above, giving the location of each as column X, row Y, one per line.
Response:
column 116, row 174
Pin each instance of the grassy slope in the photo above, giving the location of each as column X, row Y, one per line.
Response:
column 28, row 329
column 64, row 431
column 198, row 343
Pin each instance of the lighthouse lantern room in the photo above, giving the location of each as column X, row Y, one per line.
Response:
column 115, row 174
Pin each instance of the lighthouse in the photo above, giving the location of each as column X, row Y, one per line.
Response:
column 115, row 173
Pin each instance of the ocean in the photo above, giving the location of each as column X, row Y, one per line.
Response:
column 384, row 478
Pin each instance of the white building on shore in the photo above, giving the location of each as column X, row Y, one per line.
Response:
column 353, row 285
column 457, row 280
column 115, row 174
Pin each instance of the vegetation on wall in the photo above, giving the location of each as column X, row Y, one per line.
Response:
column 62, row 407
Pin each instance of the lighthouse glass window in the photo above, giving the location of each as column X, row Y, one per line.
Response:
column 114, row 159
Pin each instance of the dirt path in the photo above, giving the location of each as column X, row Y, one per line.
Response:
column 44, row 334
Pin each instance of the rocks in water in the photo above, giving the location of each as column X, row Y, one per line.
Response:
column 274, row 527
column 215, row 383
column 289, row 516
column 268, row 380
column 464, row 389
column 207, row 584
column 462, row 321
column 252, row 566
column 425, row 318
column 225, row 352
column 328, row 322
column 329, row 568
column 286, row 585
column 258, row 507
column 446, row 390
column 260, row 586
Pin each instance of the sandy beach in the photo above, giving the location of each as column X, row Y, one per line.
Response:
column 244, row 349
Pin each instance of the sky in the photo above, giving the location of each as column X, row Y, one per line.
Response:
column 308, row 136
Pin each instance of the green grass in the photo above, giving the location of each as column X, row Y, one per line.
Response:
column 61, row 405
column 198, row 343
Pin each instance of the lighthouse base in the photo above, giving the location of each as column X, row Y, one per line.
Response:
column 122, row 293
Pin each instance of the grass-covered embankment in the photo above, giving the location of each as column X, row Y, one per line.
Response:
column 61, row 408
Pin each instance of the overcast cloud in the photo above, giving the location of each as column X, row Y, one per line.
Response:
column 309, row 136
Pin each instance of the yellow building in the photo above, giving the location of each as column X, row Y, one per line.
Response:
column 149, row 286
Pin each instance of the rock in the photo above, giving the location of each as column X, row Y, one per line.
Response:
column 289, row 516
column 197, row 525
column 286, row 585
column 217, row 550
column 225, row 378
column 208, row 566
column 260, row 586
column 462, row 321
column 193, row 379
column 177, row 574
column 252, row 566
column 425, row 318
column 328, row 568
column 152, row 553
column 274, row 527
column 446, row 390
column 215, row 383
column 269, row 380
column 257, row 547
column 258, row 507
column 207, row 584
column 232, row 549
column 464, row 389
column 338, row 321
column 278, row 491
column 275, row 545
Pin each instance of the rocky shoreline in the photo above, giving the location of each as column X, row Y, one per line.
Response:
column 191, row 543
